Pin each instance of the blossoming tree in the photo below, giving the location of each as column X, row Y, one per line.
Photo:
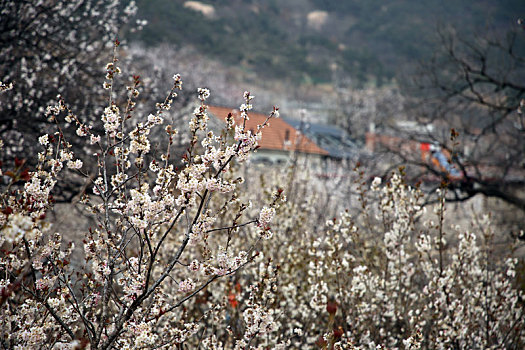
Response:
column 193, row 257
column 138, row 270
column 49, row 47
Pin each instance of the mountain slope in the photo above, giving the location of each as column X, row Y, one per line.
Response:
column 313, row 40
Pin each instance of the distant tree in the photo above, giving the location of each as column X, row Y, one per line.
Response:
column 47, row 48
column 358, row 110
column 471, row 93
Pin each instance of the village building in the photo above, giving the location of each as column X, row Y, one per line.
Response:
column 281, row 142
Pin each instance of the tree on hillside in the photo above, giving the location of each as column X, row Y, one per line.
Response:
column 469, row 115
column 47, row 48
column 358, row 110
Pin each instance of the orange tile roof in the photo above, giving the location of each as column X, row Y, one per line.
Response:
column 273, row 135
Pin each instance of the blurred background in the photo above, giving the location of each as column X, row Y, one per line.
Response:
column 432, row 85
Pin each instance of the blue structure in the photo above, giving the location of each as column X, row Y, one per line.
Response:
column 444, row 162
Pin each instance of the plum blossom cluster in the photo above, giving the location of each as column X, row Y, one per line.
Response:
column 394, row 276
column 266, row 215
column 162, row 235
column 5, row 86
column 248, row 140
column 111, row 119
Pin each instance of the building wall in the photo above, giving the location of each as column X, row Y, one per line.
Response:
column 265, row 157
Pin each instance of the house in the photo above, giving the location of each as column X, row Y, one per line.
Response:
column 332, row 139
column 281, row 141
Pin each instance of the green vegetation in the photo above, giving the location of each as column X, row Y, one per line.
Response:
column 368, row 40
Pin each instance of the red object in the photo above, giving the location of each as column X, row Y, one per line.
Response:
column 7, row 211
column 338, row 332
column 232, row 300
column 331, row 307
column 425, row 147
column 25, row 175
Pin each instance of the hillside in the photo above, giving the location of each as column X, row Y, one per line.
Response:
column 315, row 40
